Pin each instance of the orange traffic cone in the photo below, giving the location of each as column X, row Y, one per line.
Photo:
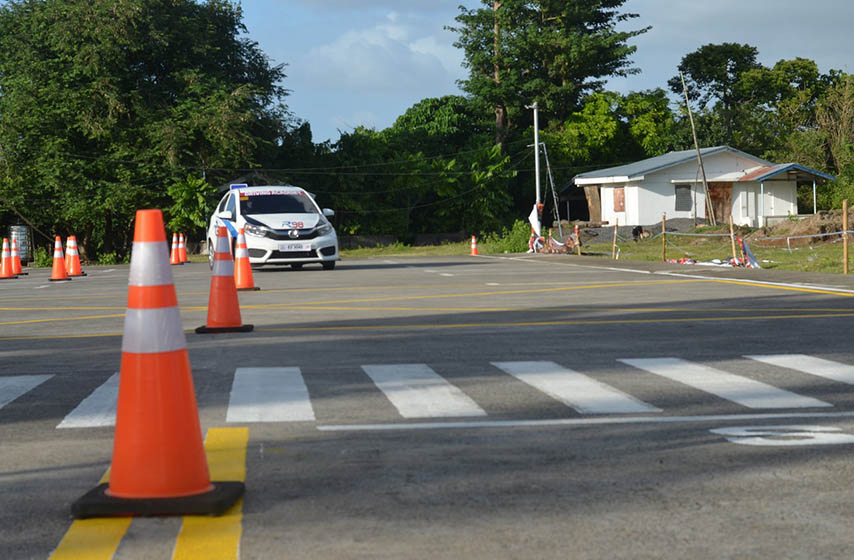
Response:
column 16, row 259
column 59, row 273
column 473, row 245
column 242, row 269
column 72, row 258
column 173, row 256
column 6, row 269
column 159, row 465
column 182, row 248
column 223, row 306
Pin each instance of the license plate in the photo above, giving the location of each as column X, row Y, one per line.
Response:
column 291, row 247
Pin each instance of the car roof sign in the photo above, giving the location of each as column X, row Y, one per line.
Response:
column 238, row 186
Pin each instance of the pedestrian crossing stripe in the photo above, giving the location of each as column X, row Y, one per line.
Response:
column 416, row 391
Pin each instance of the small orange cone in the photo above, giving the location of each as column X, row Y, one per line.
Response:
column 159, row 465
column 6, row 269
column 242, row 269
column 72, row 258
column 223, row 306
column 173, row 257
column 16, row 259
column 59, row 273
column 182, row 248
column 473, row 245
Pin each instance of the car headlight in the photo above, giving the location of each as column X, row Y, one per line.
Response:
column 258, row 231
column 323, row 229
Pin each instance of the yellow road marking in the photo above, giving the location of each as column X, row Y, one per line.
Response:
column 54, row 319
column 788, row 288
column 214, row 538
column 549, row 323
column 217, row 538
column 92, row 539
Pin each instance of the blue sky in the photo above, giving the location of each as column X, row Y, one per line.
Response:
column 364, row 62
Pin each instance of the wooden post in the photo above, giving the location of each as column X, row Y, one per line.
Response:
column 577, row 240
column 845, row 236
column 732, row 239
column 664, row 238
column 614, row 244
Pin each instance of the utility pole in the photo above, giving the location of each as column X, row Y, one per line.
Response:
column 538, row 205
column 710, row 211
column 536, row 150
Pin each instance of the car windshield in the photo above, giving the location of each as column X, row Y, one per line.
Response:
column 277, row 204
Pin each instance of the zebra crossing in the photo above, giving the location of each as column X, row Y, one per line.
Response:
column 416, row 391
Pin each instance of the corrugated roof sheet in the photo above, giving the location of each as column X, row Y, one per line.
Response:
column 663, row 161
column 764, row 173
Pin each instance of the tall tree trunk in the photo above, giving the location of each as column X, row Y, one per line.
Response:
column 500, row 107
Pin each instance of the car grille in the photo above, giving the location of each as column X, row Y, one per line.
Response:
column 328, row 251
column 257, row 253
column 293, row 255
column 282, row 234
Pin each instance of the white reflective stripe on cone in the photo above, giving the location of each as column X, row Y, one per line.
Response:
column 241, row 253
column 149, row 262
column 148, row 331
column 223, row 268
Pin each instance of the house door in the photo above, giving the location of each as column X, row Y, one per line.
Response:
column 721, row 196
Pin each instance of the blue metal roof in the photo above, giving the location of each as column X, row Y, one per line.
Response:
column 663, row 161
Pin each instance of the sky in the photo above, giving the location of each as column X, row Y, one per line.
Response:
column 364, row 62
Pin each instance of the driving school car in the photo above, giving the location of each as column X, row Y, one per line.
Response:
column 283, row 225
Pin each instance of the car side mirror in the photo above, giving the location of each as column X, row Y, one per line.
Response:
column 225, row 215
column 328, row 212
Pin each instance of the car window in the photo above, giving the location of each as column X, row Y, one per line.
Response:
column 277, row 204
column 222, row 202
column 229, row 207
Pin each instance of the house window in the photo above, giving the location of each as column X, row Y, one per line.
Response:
column 619, row 199
column 684, row 202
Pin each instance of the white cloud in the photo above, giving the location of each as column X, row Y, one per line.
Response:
column 394, row 55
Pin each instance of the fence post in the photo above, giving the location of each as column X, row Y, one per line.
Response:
column 845, row 236
column 732, row 240
column 614, row 244
column 664, row 238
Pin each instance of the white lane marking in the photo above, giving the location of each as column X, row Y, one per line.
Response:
column 676, row 274
column 14, row 386
column 42, row 287
column 493, row 284
column 276, row 394
column 785, row 436
column 842, row 373
column 579, row 422
column 419, row 392
column 96, row 410
column 584, row 394
column 445, row 274
column 741, row 390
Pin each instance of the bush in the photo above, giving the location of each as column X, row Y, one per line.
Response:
column 514, row 240
column 112, row 258
column 42, row 258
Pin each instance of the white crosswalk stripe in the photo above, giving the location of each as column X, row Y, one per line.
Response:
column 273, row 394
column 741, row 390
column 584, row 394
column 96, row 410
column 828, row 369
column 14, row 386
column 419, row 392
column 280, row 394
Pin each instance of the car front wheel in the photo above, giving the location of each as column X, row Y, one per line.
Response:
column 210, row 253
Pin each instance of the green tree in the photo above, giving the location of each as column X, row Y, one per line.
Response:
column 550, row 51
column 108, row 102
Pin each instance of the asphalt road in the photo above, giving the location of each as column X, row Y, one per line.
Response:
column 516, row 406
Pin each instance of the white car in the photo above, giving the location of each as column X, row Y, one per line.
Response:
column 283, row 225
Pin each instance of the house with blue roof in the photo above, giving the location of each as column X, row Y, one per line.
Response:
column 747, row 188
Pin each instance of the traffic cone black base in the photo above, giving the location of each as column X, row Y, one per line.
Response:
column 252, row 289
column 97, row 503
column 60, row 279
column 204, row 329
